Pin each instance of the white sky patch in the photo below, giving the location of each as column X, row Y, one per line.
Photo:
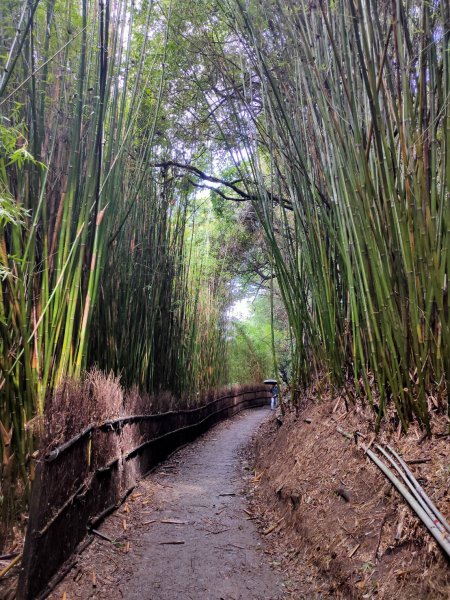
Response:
column 241, row 309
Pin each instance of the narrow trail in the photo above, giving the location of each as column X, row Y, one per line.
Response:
column 184, row 534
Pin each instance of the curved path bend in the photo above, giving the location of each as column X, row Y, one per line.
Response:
column 184, row 533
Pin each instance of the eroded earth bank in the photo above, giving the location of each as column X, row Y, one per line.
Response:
column 355, row 536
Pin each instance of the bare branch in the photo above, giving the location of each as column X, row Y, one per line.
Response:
column 243, row 195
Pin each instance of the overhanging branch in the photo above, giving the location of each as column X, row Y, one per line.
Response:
column 242, row 195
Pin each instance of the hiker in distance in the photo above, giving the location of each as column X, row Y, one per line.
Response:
column 274, row 399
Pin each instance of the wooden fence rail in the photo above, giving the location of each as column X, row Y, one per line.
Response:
column 84, row 479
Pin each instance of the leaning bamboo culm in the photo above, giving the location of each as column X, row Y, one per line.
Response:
column 354, row 133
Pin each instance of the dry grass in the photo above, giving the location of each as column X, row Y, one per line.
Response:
column 99, row 397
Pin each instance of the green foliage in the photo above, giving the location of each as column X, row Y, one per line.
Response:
column 11, row 213
column 250, row 345
column 96, row 249
column 353, row 133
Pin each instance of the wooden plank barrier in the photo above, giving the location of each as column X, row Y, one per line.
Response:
column 80, row 482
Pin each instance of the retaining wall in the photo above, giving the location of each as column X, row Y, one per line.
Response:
column 84, row 479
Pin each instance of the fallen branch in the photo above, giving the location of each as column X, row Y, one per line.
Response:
column 273, row 527
column 10, row 566
column 344, row 433
column 8, row 556
column 440, row 537
column 401, row 522
column 383, row 521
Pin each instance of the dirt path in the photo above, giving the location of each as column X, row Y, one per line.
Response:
column 184, row 533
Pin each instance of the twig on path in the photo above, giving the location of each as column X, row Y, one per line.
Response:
column 174, row 522
column 337, row 404
column 172, row 543
column 103, row 536
column 228, row 494
column 216, row 532
column 347, row 531
column 229, row 547
column 164, row 485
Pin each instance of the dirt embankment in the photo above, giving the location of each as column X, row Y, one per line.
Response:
column 342, row 528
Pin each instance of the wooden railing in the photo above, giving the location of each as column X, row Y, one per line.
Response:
column 80, row 482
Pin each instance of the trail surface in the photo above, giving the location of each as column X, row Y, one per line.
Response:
column 184, row 534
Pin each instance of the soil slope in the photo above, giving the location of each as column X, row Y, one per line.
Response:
column 354, row 535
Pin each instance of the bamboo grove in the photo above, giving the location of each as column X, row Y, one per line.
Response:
column 348, row 148
column 331, row 118
column 97, row 257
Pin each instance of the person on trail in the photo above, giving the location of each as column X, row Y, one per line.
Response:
column 274, row 399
